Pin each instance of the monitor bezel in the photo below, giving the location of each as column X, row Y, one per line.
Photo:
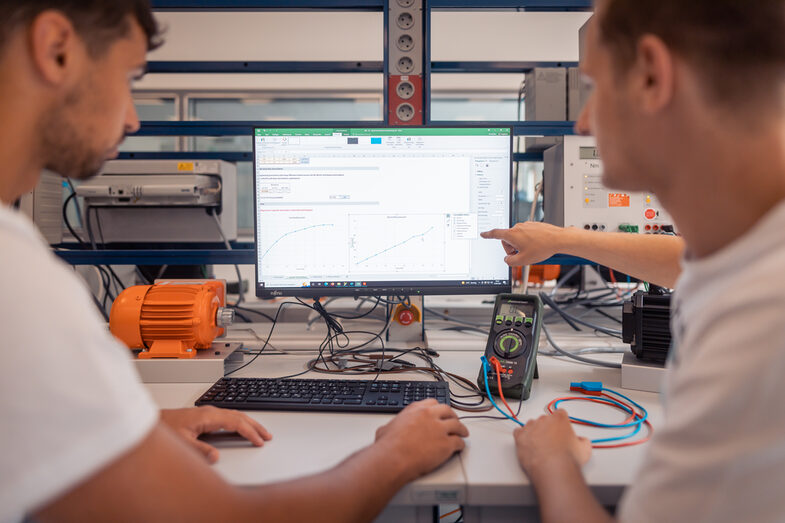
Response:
column 395, row 288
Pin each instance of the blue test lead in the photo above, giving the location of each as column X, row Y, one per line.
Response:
column 638, row 414
column 486, row 369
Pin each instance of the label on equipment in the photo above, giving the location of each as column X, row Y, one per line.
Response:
column 618, row 200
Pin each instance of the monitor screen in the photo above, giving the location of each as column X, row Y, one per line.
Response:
column 381, row 210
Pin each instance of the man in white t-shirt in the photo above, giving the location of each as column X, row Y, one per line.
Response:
column 80, row 437
column 689, row 103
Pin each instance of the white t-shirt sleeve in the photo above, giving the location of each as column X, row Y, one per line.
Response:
column 70, row 399
column 720, row 454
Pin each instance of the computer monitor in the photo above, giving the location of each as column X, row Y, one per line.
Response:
column 381, row 211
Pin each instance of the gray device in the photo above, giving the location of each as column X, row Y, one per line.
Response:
column 575, row 196
column 162, row 201
column 545, row 96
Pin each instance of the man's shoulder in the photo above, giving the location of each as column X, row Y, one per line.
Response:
column 24, row 251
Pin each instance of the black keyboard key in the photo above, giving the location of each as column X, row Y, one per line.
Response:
column 261, row 399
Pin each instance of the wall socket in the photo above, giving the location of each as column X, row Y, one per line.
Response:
column 405, row 112
column 405, row 43
column 405, row 20
column 405, row 89
column 405, row 64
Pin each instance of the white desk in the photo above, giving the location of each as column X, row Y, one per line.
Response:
column 485, row 477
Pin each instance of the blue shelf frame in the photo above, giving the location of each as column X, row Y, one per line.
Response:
column 218, row 67
column 371, row 5
column 278, row 5
column 241, row 255
column 518, row 5
column 244, row 253
column 245, row 128
column 260, row 67
column 239, row 156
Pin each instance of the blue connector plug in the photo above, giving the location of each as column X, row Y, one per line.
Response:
column 592, row 388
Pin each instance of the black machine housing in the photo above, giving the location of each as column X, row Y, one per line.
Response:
column 646, row 325
column 513, row 340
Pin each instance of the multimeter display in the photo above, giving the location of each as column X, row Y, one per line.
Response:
column 516, row 309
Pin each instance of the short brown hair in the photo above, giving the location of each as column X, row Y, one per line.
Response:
column 737, row 45
column 98, row 22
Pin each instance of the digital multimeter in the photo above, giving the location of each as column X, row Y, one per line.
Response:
column 515, row 333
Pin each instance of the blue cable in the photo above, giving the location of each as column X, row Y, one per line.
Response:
column 488, row 391
column 635, row 424
column 598, row 387
column 594, row 386
column 604, row 425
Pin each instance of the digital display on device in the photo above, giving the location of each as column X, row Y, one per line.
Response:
column 381, row 211
column 588, row 153
column 513, row 309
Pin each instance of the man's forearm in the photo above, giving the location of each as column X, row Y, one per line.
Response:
column 650, row 257
column 176, row 484
column 563, row 495
column 357, row 489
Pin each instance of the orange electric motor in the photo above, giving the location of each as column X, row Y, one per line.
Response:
column 171, row 319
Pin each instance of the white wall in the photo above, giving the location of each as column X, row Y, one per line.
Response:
column 349, row 36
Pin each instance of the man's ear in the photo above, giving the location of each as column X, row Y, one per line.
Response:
column 53, row 46
column 654, row 75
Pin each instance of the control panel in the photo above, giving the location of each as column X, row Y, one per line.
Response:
column 574, row 195
column 513, row 340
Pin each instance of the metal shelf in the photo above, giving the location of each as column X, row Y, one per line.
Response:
column 228, row 156
column 223, row 67
column 235, row 156
column 233, row 67
column 372, row 5
column 157, row 257
column 241, row 256
column 245, row 128
column 494, row 67
column 250, row 5
column 527, row 5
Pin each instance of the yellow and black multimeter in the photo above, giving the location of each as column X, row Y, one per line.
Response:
column 513, row 340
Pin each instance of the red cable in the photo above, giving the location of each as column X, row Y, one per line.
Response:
column 497, row 366
column 613, row 280
column 551, row 409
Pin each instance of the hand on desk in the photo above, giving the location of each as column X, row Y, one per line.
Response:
column 527, row 242
column 548, row 439
column 191, row 423
column 423, row 436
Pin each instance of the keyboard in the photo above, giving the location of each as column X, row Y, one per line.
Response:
column 321, row 394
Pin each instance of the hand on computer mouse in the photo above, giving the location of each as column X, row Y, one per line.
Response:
column 191, row 423
column 423, row 436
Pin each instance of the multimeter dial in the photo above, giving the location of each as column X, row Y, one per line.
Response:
column 509, row 344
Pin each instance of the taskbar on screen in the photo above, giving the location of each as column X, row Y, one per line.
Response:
column 385, row 288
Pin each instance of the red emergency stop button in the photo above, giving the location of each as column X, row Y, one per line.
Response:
column 650, row 214
column 405, row 317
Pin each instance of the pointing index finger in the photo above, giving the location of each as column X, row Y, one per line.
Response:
column 494, row 234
